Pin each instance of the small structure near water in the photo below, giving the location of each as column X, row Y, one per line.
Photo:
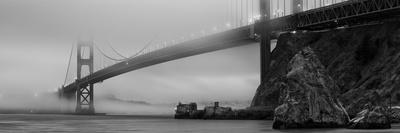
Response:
column 186, row 111
column 217, row 112
column 186, row 108
column 189, row 111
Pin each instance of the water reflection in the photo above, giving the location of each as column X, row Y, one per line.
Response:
column 142, row 124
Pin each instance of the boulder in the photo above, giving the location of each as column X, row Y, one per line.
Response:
column 395, row 114
column 371, row 118
column 309, row 96
column 255, row 113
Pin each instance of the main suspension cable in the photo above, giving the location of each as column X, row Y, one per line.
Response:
column 69, row 64
column 115, row 51
column 105, row 55
column 125, row 58
column 145, row 47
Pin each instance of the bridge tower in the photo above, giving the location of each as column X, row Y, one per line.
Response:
column 297, row 6
column 84, row 92
column 265, row 44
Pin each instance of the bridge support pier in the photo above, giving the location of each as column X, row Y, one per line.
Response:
column 84, row 92
column 265, row 44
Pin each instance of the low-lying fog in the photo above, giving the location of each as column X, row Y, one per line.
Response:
column 49, row 102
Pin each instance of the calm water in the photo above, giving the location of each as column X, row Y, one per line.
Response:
column 135, row 124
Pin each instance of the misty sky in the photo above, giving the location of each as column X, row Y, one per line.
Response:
column 36, row 36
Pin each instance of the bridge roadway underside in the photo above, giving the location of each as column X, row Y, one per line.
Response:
column 224, row 40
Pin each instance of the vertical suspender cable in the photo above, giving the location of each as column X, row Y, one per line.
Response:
column 229, row 14
column 315, row 3
column 284, row 7
column 305, row 7
column 236, row 13
column 231, row 11
column 320, row 3
column 227, row 11
column 278, row 7
column 247, row 12
column 241, row 12
column 252, row 10
column 275, row 9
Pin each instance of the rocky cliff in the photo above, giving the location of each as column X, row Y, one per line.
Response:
column 364, row 63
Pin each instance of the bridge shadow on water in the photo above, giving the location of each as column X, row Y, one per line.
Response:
column 144, row 124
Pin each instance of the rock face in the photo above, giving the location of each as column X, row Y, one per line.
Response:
column 309, row 96
column 371, row 118
column 362, row 61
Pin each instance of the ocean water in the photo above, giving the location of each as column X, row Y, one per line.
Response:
column 145, row 124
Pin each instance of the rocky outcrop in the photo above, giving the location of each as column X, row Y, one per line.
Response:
column 371, row 118
column 309, row 96
column 362, row 61
column 255, row 113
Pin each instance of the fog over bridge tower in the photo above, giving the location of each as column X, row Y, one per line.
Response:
column 84, row 93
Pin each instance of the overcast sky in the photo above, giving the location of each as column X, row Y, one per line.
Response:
column 36, row 36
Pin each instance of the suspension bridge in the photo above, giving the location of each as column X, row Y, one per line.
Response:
column 250, row 21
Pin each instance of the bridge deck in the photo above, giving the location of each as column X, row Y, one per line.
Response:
column 347, row 13
column 224, row 40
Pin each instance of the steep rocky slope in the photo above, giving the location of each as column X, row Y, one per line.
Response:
column 363, row 61
column 309, row 96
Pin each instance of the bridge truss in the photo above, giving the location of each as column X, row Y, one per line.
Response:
column 352, row 12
